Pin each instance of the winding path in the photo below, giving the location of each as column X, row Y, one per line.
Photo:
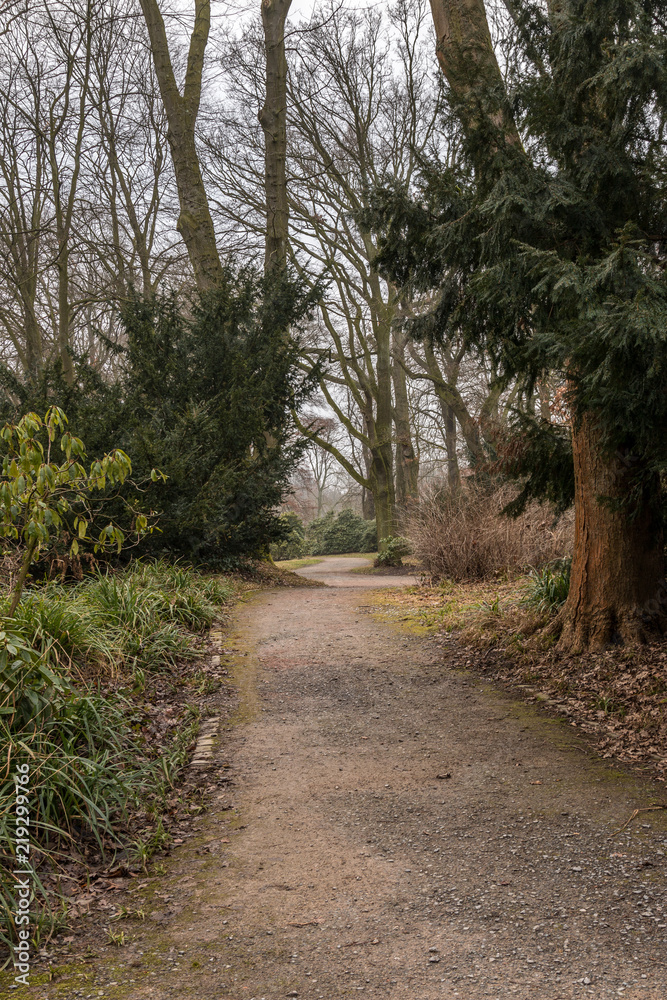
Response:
column 396, row 830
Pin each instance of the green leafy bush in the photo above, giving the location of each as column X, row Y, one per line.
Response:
column 205, row 393
column 293, row 543
column 89, row 762
column 87, row 768
column 31, row 694
column 337, row 533
column 392, row 550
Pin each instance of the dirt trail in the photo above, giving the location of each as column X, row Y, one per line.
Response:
column 336, row 571
column 398, row 831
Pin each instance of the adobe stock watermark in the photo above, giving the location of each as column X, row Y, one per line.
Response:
column 24, row 875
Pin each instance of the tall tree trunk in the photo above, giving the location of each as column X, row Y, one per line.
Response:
column 367, row 504
column 407, row 462
column 450, row 399
column 367, row 498
column 273, row 119
column 617, row 590
column 617, row 586
column 382, row 485
column 382, row 458
column 194, row 221
column 453, row 471
column 468, row 62
column 64, row 311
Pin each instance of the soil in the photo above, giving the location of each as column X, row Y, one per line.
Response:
column 388, row 825
column 348, row 571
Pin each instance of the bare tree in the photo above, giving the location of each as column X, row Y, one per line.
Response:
column 194, row 221
column 84, row 180
column 273, row 119
column 362, row 107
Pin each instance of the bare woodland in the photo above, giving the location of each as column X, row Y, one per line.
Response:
column 145, row 149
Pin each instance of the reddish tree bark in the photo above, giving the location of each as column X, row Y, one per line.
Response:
column 617, row 589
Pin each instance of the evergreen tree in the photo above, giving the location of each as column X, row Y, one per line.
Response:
column 209, row 398
column 205, row 394
column 551, row 255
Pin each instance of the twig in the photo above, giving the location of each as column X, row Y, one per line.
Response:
column 636, row 813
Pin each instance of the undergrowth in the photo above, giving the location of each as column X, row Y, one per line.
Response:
column 74, row 662
column 549, row 586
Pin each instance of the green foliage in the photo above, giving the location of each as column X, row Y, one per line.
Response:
column 87, row 767
column 549, row 586
column 89, row 763
column 554, row 259
column 208, row 399
column 141, row 618
column 338, row 533
column 392, row 550
column 31, row 694
column 205, row 392
column 293, row 543
column 540, row 455
column 40, row 498
column 36, row 494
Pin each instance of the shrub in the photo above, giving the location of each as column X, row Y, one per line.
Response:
column 205, row 392
column 392, row 550
column 464, row 535
column 293, row 543
column 90, row 762
column 87, row 768
column 209, row 393
column 337, row 533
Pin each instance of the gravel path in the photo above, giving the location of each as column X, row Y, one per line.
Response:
column 399, row 831
column 335, row 571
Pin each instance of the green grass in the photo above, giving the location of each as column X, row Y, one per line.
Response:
column 548, row 587
column 90, row 764
column 293, row 564
column 143, row 617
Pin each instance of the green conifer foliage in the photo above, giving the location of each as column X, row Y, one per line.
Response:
column 552, row 258
column 208, row 397
column 204, row 390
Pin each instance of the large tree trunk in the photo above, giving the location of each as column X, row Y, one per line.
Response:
column 273, row 119
column 382, row 485
column 380, row 429
column 617, row 590
column 407, row 461
column 367, row 504
column 194, row 222
column 453, row 471
column 468, row 62
column 450, row 398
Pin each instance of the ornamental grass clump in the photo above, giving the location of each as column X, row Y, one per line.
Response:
column 91, row 764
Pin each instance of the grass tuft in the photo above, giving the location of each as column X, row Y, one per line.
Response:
column 548, row 587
